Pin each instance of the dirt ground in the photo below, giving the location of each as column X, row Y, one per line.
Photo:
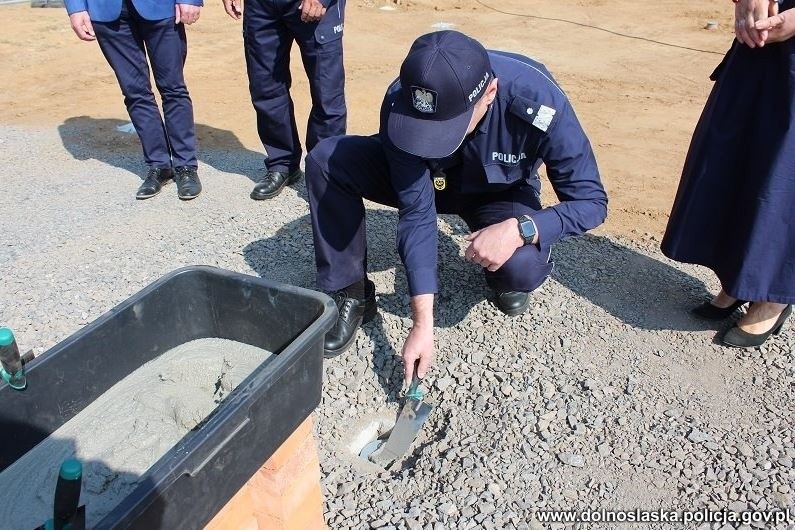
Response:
column 637, row 77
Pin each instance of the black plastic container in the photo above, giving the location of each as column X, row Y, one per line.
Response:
column 195, row 479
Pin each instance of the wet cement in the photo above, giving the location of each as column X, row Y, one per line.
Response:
column 121, row 434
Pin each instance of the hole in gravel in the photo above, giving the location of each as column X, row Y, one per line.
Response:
column 366, row 440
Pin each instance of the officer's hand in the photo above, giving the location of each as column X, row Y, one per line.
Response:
column 81, row 24
column 311, row 10
column 233, row 8
column 187, row 14
column 492, row 246
column 418, row 346
column 781, row 27
column 746, row 14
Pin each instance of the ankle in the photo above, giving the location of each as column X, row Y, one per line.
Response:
column 723, row 300
column 760, row 315
column 355, row 290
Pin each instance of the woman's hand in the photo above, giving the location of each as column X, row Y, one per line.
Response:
column 780, row 27
column 746, row 15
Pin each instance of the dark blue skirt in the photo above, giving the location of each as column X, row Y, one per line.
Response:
column 734, row 211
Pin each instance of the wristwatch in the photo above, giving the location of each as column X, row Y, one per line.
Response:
column 527, row 229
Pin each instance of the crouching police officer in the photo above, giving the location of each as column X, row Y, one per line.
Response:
column 129, row 31
column 463, row 131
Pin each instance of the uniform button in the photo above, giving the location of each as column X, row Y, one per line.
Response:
column 322, row 37
column 529, row 110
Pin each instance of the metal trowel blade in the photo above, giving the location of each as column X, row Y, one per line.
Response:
column 408, row 424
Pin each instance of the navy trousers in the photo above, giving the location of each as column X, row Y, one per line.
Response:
column 126, row 43
column 269, row 29
column 341, row 171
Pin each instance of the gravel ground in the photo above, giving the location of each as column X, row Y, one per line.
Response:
column 606, row 394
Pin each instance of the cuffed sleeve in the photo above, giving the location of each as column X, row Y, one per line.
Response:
column 549, row 227
column 198, row 3
column 422, row 281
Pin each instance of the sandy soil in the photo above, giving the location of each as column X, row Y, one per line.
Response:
column 638, row 99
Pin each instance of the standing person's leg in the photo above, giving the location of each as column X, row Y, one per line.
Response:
column 267, row 44
column 123, row 46
column 527, row 269
column 340, row 172
column 167, row 47
column 321, row 52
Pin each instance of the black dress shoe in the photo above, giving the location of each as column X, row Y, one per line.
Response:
column 352, row 314
column 153, row 183
column 273, row 183
column 512, row 303
column 707, row 311
column 188, row 184
column 742, row 339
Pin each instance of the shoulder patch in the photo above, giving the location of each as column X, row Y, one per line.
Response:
column 544, row 117
column 536, row 114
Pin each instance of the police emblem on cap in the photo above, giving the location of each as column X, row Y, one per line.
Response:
column 424, row 100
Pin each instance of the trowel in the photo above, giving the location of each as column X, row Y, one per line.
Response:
column 408, row 424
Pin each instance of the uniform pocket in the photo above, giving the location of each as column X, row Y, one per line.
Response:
column 332, row 25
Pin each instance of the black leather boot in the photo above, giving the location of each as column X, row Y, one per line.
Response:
column 512, row 303
column 352, row 314
column 153, row 183
column 188, row 184
column 273, row 183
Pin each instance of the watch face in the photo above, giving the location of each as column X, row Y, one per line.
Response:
column 527, row 229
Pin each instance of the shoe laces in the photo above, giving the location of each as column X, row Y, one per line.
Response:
column 344, row 303
column 271, row 177
column 184, row 174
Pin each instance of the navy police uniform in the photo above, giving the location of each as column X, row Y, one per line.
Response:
column 269, row 28
column 491, row 177
column 129, row 31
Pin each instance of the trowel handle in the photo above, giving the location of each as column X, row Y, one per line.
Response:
column 413, row 391
column 415, row 383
